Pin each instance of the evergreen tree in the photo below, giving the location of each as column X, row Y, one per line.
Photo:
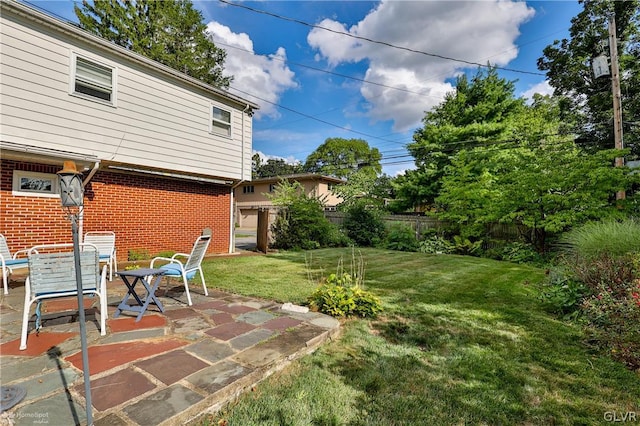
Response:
column 171, row 32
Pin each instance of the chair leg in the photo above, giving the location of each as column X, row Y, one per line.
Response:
column 25, row 320
column 5, row 281
column 186, row 289
column 103, row 312
column 204, row 285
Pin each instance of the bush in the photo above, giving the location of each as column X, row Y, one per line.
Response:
column 613, row 321
column 519, row 252
column 605, row 257
column 302, row 225
column 435, row 244
column 364, row 226
column 339, row 296
column 401, row 237
column 562, row 295
column 465, row 246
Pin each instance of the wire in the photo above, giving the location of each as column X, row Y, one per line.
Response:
column 312, row 117
column 333, row 73
column 383, row 43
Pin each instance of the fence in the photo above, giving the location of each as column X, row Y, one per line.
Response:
column 423, row 224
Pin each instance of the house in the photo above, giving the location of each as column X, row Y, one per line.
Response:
column 160, row 152
column 253, row 196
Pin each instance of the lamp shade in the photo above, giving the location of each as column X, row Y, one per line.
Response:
column 71, row 189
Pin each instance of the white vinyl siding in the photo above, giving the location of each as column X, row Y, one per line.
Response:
column 220, row 121
column 93, row 80
column 160, row 121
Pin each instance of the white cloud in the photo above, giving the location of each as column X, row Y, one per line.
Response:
column 268, row 76
column 475, row 31
column 543, row 88
column 264, row 157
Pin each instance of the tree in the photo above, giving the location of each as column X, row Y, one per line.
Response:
column 171, row 32
column 361, row 189
column 544, row 183
column 273, row 167
column 342, row 157
column 477, row 113
column 587, row 101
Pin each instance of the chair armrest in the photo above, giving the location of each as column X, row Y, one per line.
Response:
column 165, row 260
column 180, row 255
column 26, row 251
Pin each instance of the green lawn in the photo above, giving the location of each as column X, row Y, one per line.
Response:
column 463, row 340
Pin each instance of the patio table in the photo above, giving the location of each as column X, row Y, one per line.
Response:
column 140, row 275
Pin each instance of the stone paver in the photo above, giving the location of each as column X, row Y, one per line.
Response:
column 162, row 405
column 165, row 369
column 172, row 366
column 251, row 338
column 230, row 330
column 117, row 388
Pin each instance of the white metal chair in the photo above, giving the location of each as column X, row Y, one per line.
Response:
column 52, row 274
column 106, row 243
column 10, row 262
column 188, row 268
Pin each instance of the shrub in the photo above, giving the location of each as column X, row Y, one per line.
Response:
column 465, row 246
column 435, row 244
column 520, row 252
column 562, row 295
column 401, row 237
column 339, row 296
column 613, row 321
column 364, row 226
column 302, row 225
column 605, row 257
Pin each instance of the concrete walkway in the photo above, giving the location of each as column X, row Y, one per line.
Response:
column 167, row 369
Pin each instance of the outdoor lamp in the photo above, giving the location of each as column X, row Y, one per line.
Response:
column 72, row 195
column 71, row 190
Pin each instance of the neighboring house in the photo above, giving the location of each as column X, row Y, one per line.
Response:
column 252, row 196
column 160, row 151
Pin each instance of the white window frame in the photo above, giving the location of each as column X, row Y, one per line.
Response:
column 223, row 127
column 112, row 88
column 21, row 180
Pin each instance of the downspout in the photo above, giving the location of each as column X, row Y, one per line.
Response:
column 232, row 240
column 86, row 180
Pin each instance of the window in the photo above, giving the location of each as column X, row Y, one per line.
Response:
column 35, row 184
column 249, row 189
column 93, row 80
column 272, row 187
column 220, row 122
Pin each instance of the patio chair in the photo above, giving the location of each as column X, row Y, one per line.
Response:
column 187, row 268
column 10, row 262
column 106, row 243
column 52, row 274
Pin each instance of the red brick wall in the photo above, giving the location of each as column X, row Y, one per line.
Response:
column 146, row 213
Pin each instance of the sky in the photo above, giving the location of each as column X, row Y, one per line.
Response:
column 367, row 69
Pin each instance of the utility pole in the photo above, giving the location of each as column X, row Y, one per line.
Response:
column 617, row 101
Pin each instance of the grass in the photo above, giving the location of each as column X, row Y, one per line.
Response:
column 463, row 340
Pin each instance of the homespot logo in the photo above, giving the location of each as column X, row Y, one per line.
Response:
column 620, row 417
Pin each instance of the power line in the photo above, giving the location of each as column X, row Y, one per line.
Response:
column 312, row 117
column 334, row 73
column 383, row 43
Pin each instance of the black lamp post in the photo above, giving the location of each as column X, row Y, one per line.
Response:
column 72, row 199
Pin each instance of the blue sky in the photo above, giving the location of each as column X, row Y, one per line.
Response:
column 316, row 83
